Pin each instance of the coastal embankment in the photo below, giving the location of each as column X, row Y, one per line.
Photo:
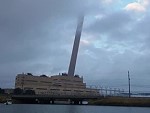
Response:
column 122, row 101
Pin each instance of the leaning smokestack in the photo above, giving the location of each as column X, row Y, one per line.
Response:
column 75, row 46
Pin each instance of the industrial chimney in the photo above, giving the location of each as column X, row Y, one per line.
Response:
column 75, row 46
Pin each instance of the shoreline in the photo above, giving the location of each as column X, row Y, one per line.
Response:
column 105, row 101
column 122, row 101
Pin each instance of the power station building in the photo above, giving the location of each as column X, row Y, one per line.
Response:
column 54, row 85
column 64, row 84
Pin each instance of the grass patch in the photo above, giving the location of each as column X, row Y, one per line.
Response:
column 121, row 101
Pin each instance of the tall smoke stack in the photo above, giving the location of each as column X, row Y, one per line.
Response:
column 75, row 46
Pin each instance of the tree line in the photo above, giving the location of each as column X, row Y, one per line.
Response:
column 18, row 91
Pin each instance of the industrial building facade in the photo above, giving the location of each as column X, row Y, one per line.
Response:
column 54, row 85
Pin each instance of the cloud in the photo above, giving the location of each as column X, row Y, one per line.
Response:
column 145, row 2
column 111, row 22
column 139, row 6
column 135, row 7
column 122, row 43
column 37, row 36
column 84, row 42
column 109, row 1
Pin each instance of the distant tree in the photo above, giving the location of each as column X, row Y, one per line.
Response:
column 29, row 74
column 18, row 91
column 29, row 92
column 43, row 76
column 2, row 91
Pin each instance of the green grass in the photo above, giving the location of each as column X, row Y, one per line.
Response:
column 122, row 101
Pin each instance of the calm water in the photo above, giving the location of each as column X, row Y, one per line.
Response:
column 23, row 108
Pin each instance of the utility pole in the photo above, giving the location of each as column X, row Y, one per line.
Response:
column 129, row 84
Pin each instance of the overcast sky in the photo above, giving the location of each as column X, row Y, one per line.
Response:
column 37, row 36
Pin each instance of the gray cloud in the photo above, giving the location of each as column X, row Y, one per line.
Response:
column 123, row 44
column 112, row 22
column 37, row 36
